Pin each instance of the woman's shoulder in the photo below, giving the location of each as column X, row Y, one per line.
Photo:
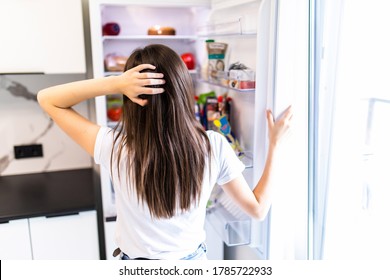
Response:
column 215, row 138
column 211, row 134
column 106, row 129
column 106, row 136
column 109, row 131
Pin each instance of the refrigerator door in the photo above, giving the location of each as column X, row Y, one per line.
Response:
column 281, row 80
column 288, row 229
column 249, row 29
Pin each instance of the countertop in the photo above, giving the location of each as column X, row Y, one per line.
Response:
column 46, row 194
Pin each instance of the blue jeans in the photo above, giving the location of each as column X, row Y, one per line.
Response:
column 199, row 254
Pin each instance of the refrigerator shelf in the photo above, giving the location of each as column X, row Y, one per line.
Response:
column 116, row 73
column 189, row 38
column 112, row 73
column 236, row 27
column 249, row 34
column 232, row 230
column 247, row 159
column 248, row 90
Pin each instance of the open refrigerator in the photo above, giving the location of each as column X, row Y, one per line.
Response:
column 248, row 27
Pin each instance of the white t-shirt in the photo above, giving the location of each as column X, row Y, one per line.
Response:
column 140, row 235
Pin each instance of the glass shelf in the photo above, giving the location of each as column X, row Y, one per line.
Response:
column 227, row 28
column 227, row 87
column 112, row 73
column 232, row 230
column 249, row 34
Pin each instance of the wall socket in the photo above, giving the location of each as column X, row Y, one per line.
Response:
column 28, row 151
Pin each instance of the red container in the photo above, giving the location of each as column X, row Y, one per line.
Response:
column 189, row 60
column 111, row 29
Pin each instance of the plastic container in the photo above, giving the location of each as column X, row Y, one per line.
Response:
column 111, row 29
column 233, row 230
column 242, row 79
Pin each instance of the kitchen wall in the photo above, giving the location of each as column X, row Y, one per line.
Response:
column 23, row 122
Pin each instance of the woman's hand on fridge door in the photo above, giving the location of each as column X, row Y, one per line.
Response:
column 139, row 81
column 257, row 202
column 278, row 129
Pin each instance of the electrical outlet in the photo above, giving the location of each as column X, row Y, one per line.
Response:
column 28, row 151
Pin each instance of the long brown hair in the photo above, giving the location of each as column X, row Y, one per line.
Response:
column 166, row 146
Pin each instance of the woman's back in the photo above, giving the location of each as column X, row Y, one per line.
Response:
column 139, row 234
column 168, row 146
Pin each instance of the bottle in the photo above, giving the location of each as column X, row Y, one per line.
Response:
column 221, row 105
column 197, row 110
column 228, row 106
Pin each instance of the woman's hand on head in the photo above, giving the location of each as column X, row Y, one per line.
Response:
column 277, row 130
column 133, row 83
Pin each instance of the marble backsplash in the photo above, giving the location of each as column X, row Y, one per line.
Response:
column 23, row 122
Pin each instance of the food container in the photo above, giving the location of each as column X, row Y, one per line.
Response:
column 111, row 29
column 216, row 59
column 242, row 79
column 161, row 30
column 115, row 63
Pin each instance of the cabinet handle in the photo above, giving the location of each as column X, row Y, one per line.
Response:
column 111, row 219
column 62, row 215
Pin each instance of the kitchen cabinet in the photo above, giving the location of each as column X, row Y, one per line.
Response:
column 68, row 237
column 110, row 237
column 42, row 36
column 49, row 215
column 15, row 240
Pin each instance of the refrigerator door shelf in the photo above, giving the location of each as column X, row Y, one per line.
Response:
column 235, row 27
column 232, row 230
column 247, row 159
column 246, row 90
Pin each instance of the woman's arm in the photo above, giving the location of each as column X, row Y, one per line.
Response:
column 57, row 101
column 257, row 202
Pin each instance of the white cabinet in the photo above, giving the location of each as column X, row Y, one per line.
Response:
column 15, row 240
column 109, row 231
column 70, row 237
column 42, row 36
column 65, row 237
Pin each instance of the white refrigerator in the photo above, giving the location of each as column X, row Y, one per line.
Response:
column 270, row 37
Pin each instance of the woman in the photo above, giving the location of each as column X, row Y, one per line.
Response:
column 162, row 163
